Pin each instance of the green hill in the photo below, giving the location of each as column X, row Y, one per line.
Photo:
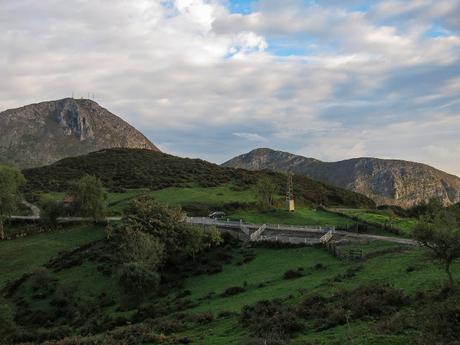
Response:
column 136, row 168
column 386, row 295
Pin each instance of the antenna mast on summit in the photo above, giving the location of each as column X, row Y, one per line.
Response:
column 290, row 193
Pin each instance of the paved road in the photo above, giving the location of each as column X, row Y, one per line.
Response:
column 65, row 219
column 35, row 210
column 288, row 230
column 277, row 229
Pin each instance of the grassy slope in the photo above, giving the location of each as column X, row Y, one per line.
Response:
column 213, row 195
column 269, row 266
column 216, row 197
column 382, row 218
column 22, row 255
column 302, row 216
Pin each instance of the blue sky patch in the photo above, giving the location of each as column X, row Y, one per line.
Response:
column 241, row 6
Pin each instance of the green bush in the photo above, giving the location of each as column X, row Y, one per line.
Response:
column 440, row 321
column 231, row 291
column 136, row 282
column 292, row 274
column 270, row 319
column 51, row 210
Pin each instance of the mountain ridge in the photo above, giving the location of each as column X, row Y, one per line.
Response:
column 43, row 133
column 386, row 181
column 121, row 168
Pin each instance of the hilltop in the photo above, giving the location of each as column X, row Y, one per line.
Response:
column 42, row 133
column 393, row 182
column 140, row 168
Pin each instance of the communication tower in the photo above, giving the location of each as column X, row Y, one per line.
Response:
column 290, row 193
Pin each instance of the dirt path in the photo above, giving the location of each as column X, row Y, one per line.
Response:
column 35, row 210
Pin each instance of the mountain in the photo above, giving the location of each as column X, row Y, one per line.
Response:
column 138, row 168
column 393, row 182
column 40, row 134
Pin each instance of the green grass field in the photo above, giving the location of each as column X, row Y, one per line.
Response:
column 213, row 195
column 24, row 254
column 406, row 225
column 218, row 197
column 406, row 268
column 301, row 216
column 409, row 270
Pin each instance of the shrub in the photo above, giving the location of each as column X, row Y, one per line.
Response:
column 41, row 283
column 203, row 318
column 51, row 210
column 270, row 341
column 440, row 321
column 168, row 326
column 374, row 299
column 270, row 319
column 234, row 290
column 291, row 274
column 136, row 282
column 366, row 300
column 319, row 266
column 142, row 248
column 225, row 313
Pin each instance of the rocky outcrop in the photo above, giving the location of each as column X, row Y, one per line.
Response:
column 393, row 182
column 40, row 134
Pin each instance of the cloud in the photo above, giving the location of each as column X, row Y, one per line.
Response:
column 251, row 137
column 333, row 79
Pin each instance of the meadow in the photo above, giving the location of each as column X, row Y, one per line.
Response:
column 242, row 204
column 259, row 271
column 22, row 255
column 406, row 225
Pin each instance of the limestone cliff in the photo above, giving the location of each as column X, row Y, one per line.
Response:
column 386, row 181
column 40, row 134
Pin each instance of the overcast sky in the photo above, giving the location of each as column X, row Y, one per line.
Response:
column 212, row 79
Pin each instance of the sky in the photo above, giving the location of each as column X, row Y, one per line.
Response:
column 215, row 78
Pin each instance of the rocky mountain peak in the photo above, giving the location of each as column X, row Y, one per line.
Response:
column 71, row 119
column 386, row 181
column 42, row 133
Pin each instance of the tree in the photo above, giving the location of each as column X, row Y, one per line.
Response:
column 441, row 235
column 164, row 223
column 51, row 210
column 137, row 282
column 167, row 226
column 90, row 197
column 429, row 208
column 266, row 192
column 198, row 240
column 10, row 181
column 142, row 248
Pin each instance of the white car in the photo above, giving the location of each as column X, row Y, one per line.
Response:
column 217, row 215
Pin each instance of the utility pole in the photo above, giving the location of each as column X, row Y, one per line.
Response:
column 290, row 193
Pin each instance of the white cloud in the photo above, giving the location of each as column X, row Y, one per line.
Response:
column 251, row 137
column 198, row 79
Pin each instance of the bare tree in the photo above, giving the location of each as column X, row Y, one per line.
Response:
column 441, row 236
